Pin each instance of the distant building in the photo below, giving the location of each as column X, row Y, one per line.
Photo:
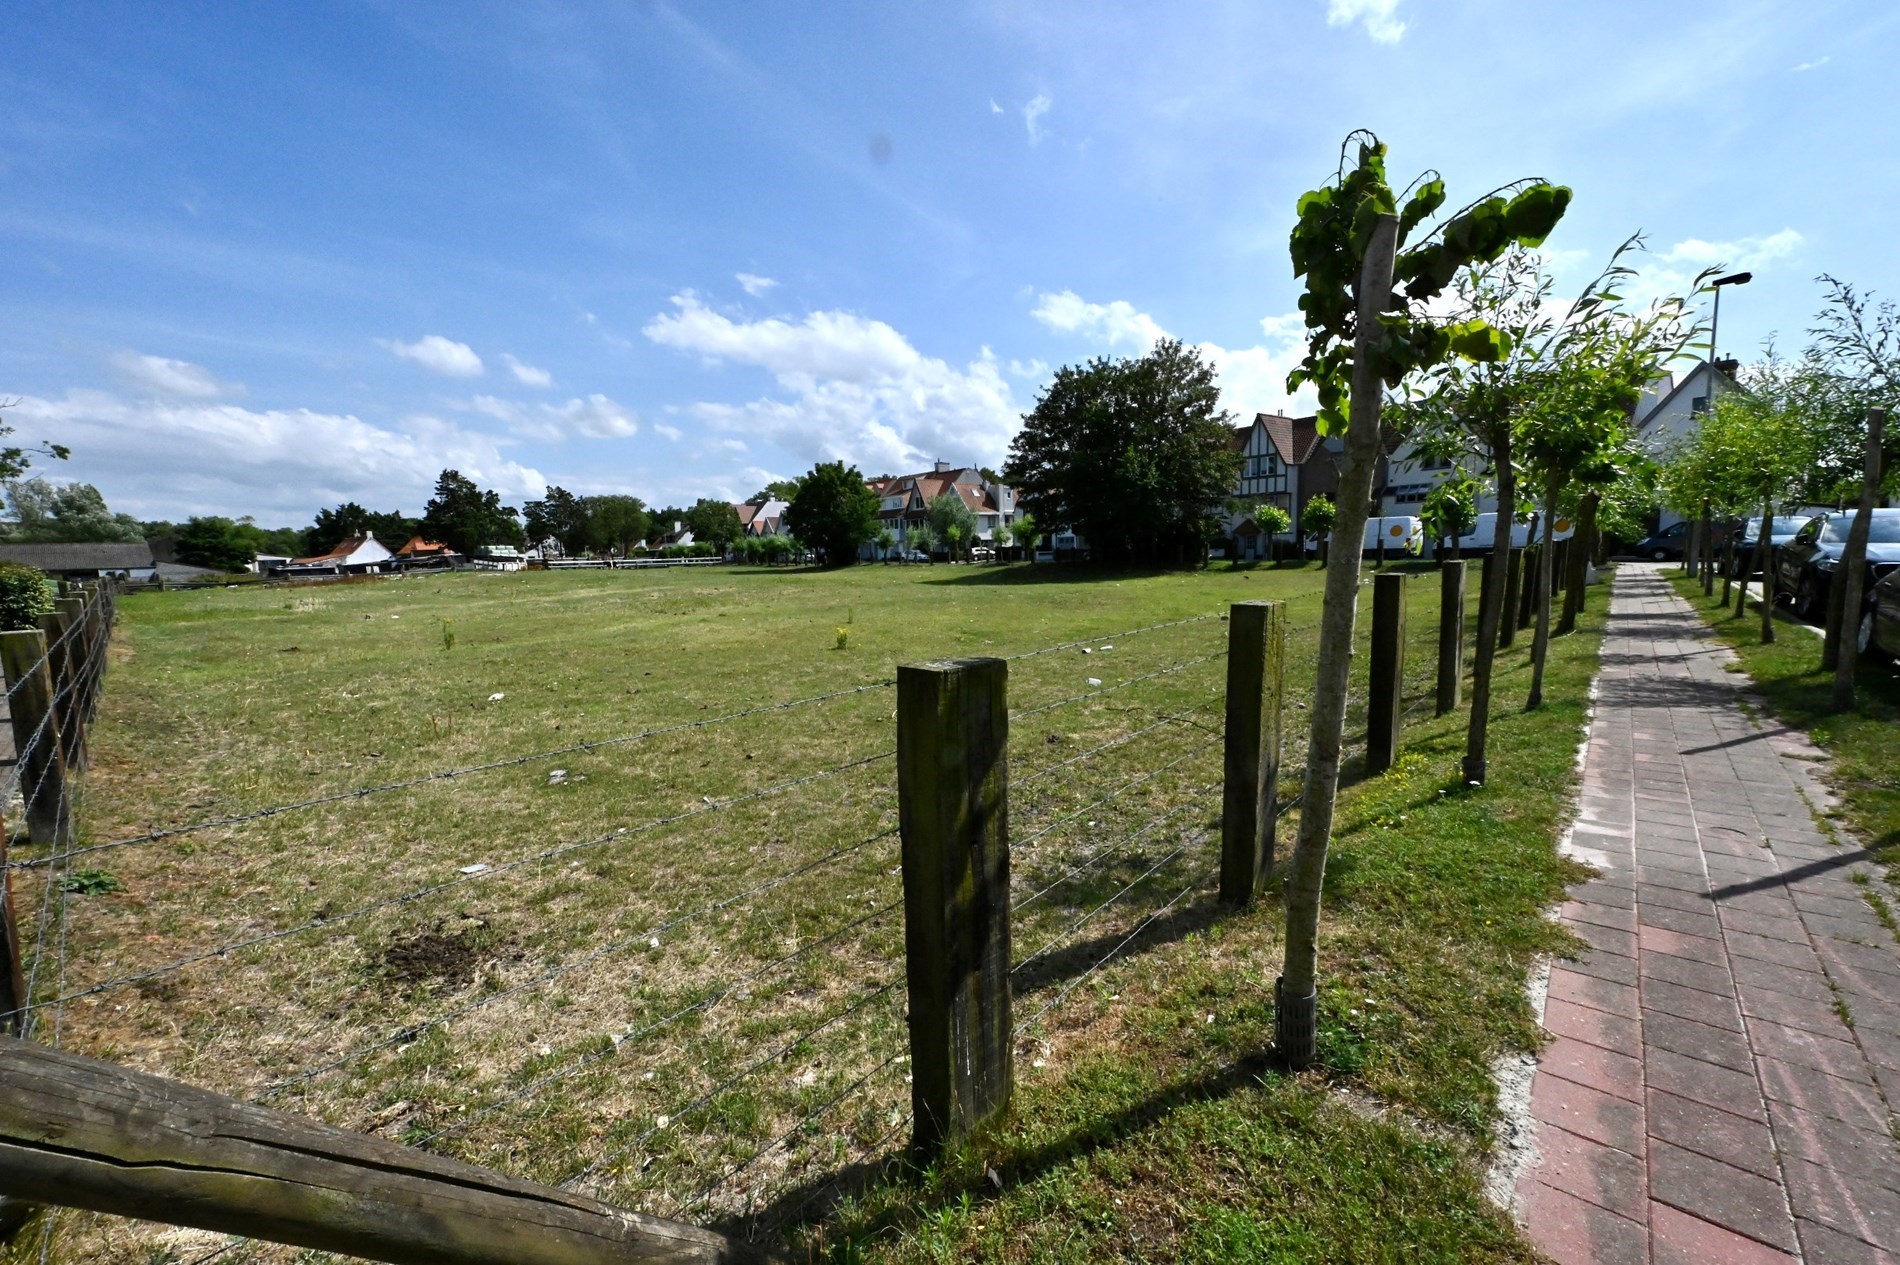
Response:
column 87, row 560
column 1284, row 461
column 904, row 502
column 359, row 555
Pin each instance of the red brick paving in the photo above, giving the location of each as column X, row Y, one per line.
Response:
column 1704, row 1097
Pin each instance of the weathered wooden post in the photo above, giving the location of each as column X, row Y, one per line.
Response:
column 13, row 998
column 1527, row 588
column 1507, row 618
column 1451, row 635
column 36, row 736
column 1256, row 664
column 61, row 665
column 953, row 793
column 1387, row 672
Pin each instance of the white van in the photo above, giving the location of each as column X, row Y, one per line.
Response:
column 1484, row 534
column 1401, row 534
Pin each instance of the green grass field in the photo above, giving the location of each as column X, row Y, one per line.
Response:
column 575, row 1010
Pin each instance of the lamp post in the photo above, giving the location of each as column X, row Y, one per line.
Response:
column 1707, row 552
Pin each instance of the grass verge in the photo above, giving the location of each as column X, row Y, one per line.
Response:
column 1148, row 1126
column 1864, row 743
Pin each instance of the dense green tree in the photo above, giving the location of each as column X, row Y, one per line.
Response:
column 953, row 521
column 776, row 490
column 334, row 526
column 222, row 543
column 1131, row 454
column 71, row 511
column 834, row 512
column 620, row 522
column 561, row 516
column 466, row 518
column 714, row 523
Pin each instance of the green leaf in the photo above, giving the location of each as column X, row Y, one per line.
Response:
column 1533, row 213
column 1430, row 196
column 1479, row 341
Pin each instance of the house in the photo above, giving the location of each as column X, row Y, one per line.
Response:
column 766, row 519
column 904, row 501
column 359, row 555
column 1284, row 461
column 87, row 560
column 419, row 554
column 1671, row 409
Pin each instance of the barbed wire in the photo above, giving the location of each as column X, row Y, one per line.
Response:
column 1124, row 739
column 805, row 1122
column 710, row 1095
column 1123, row 943
column 626, row 1038
column 643, row 937
column 443, row 775
column 1090, row 641
column 390, row 902
column 1079, row 923
column 1110, row 689
column 1109, row 849
column 1124, row 788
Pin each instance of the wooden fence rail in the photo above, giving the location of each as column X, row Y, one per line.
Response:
column 81, row 1133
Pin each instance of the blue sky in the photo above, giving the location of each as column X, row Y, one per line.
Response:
column 264, row 258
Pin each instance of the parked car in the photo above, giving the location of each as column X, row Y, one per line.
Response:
column 1667, row 545
column 1749, row 539
column 1880, row 622
column 1805, row 566
column 1484, row 533
column 916, row 555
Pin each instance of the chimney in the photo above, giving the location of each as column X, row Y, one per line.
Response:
column 943, row 467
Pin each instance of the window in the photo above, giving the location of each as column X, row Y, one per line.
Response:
column 1436, row 463
column 1699, row 404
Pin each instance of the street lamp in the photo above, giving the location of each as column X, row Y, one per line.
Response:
column 1715, row 321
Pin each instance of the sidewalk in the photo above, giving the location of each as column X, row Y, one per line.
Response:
column 1725, row 1062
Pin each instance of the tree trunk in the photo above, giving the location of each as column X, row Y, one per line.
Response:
column 1546, row 558
column 1491, row 613
column 1728, row 563
column 1296, row 1002
column 1582, row 545
column 1850, row 576
column 1765, row 550
column 1708, row 549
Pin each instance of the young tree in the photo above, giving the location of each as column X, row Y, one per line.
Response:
column 952, row 520
column 1450, row 511
column 1000, row 536
column 1317, row 521
column 1363, row 337
column 1274, row 522
column 834, row 512
column 1132, row 454
column 1025, row 533
column 886, row 541
column 466, row 518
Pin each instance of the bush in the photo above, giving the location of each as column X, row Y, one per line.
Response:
column 25, row 595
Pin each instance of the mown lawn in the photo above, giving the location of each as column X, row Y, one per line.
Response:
column 576, row 1011
column 1864, row 743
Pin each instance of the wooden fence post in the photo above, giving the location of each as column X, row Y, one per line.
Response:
column 1451, row 635
column 1507, row 618
column 83, row 1133
column 13, row 998
column 1387, row 672
column 1256, row 664
column 1527, row 587
column 953, row 795
column 36, row 736
column 60, row 663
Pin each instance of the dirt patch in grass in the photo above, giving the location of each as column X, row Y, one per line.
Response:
column 448, row 955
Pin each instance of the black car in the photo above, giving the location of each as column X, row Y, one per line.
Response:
column 1805, row 565
column 1667, row 544
column 1880, row 619
column 1785, row 528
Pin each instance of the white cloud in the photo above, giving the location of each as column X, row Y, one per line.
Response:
column 995, row 108
column 595, row 417
column 439, row 355
column 1032, row 116
column 854, row 389
column 527, row 374
column 165, row 376
column 1378, row 17
column 1252, row 379
column 168, row 459
column 1031, row 368
column 1743, row 252
column 1816, row 64
column 753, row 284
column 667, row 432
column 1116, row 323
